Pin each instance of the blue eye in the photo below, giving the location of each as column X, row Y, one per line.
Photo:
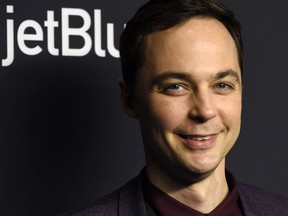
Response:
column 222, row 86
column 174, row 87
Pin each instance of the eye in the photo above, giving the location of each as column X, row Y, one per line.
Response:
column 175, row 89
column 222, row 86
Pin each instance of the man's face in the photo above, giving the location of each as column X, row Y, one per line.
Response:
column 188, row 97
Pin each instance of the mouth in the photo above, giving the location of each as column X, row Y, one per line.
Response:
column 197, row 137
column 199, row 142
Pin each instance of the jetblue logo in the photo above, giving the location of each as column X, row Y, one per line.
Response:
column 23, row 39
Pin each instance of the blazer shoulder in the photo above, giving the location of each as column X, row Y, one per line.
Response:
column 121, row 200
column 258, row 200
column 105, row 206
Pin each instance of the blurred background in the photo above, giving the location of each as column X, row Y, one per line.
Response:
column 64, row 140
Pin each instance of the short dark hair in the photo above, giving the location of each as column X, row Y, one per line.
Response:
column 159, row 15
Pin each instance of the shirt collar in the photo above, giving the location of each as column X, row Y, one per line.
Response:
column 165, row 205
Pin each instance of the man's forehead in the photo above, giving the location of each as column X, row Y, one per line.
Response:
column 195, row 32
column 198, row 32
column 184, row 48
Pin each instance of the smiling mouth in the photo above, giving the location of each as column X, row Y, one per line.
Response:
column 197, row 137
column 199, row 142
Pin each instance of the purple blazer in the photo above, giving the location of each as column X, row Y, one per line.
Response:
column 128, row 201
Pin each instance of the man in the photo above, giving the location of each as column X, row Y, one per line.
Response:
column 182, row 69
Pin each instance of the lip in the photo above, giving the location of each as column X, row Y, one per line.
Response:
column 199, row 142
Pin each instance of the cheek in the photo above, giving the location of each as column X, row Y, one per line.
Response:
column 167, row 113
column 231, row 112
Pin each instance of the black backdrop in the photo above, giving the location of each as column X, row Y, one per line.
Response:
column 64, row 138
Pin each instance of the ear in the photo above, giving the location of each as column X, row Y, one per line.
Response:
column 127, row 99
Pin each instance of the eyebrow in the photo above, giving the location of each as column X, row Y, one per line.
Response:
column 228, row 73
column 171, row 75
column 188, row 77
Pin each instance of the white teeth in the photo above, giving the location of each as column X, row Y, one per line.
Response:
column 199, row 138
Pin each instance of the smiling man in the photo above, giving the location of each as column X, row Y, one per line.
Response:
column 182, row 69
column 187, row 98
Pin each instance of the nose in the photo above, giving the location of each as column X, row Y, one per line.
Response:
column 203, row 107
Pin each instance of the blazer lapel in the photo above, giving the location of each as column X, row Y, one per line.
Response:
column 131, row 201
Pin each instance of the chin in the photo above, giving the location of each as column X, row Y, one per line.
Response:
column 202, row 168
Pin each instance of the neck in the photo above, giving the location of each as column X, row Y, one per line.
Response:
column 203, row 195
